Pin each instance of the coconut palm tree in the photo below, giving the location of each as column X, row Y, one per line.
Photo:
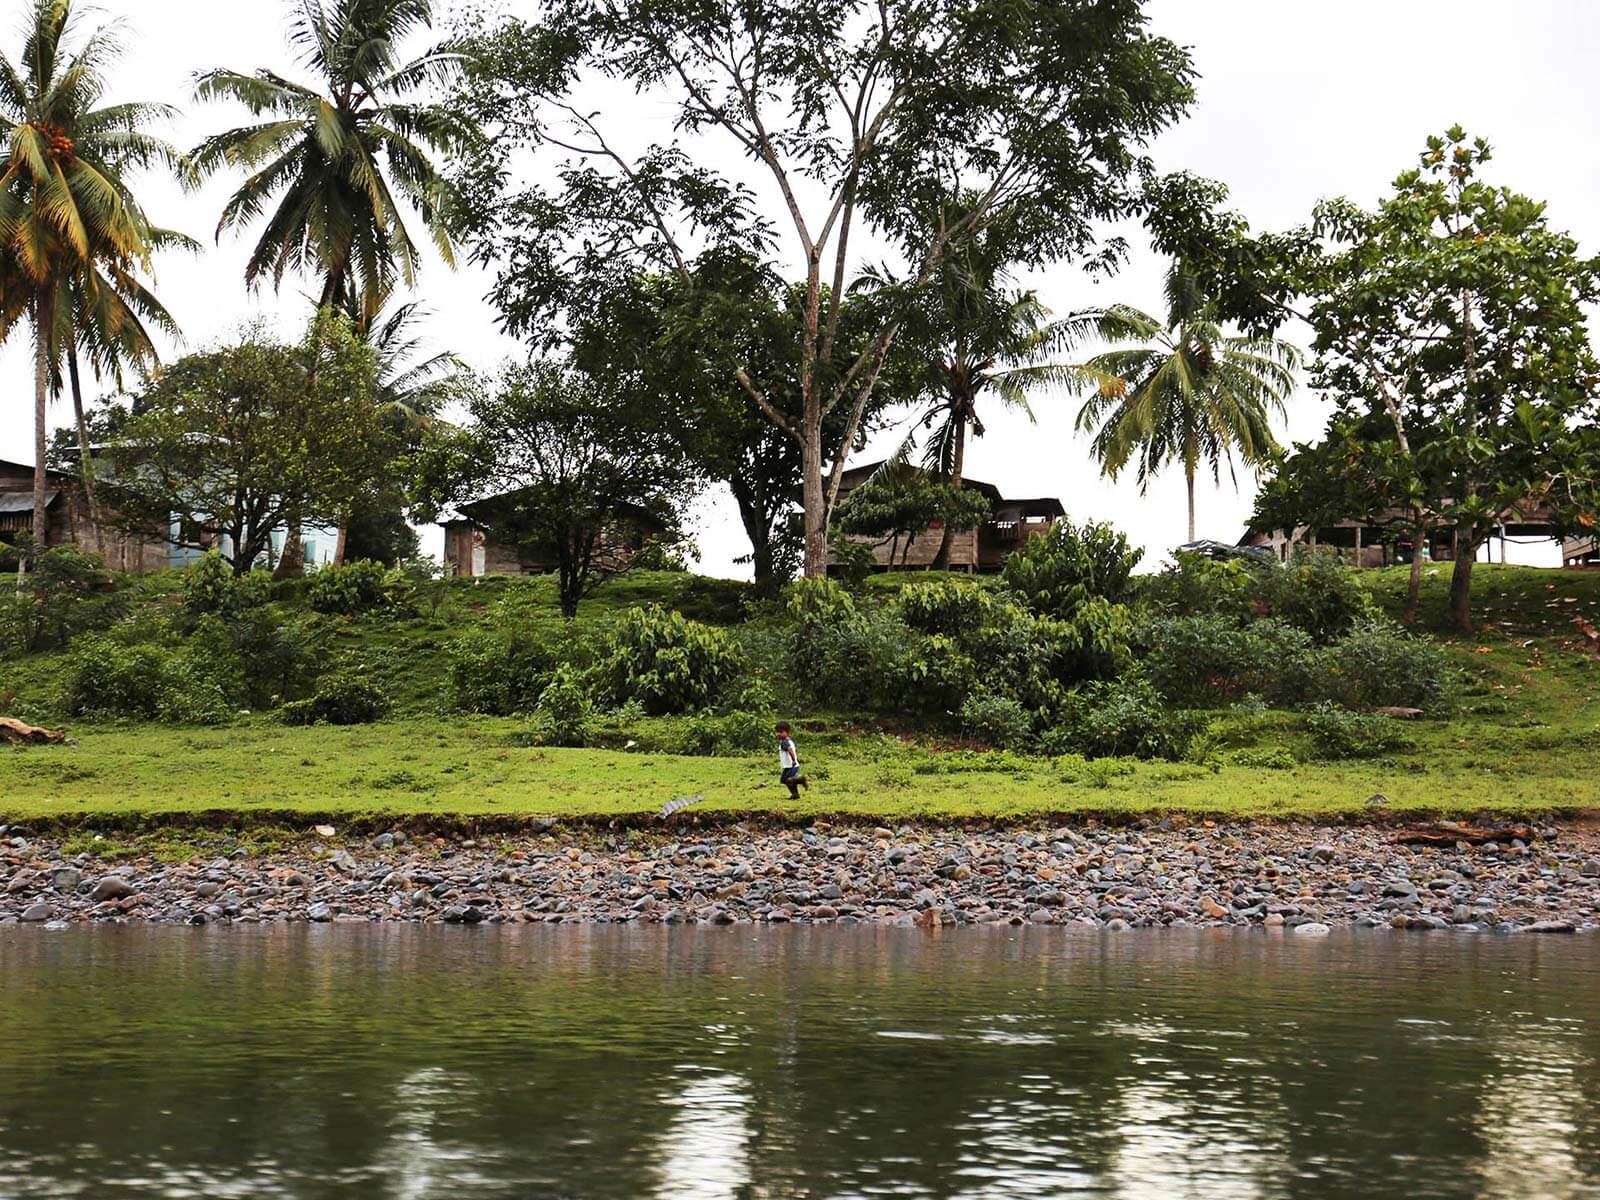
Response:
column 70, row 227
column 340, row 162
column 984, row 337
column 411, row 385
column 1192, row 394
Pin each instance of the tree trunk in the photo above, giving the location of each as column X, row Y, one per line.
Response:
column 85, row 461
column 1414, row 585
column 292, row 562
column 1188, row 478
column 758, row 528
column 811, row 499
column 958, row 462
column 41, row 400
column 339, row 543
column 1461, row 584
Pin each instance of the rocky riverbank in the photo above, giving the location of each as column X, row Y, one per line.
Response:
column 1299, row 877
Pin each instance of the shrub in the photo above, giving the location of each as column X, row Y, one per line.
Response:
column 667, row 662
column 210, row 588
column 1379, row 664
column 997, row 721
column 257, row 655
column 564, row 715
column 947, row 606
column 505, row 671
column 1339, row 733
column 1316, row 593
column 736, row 732
column 1124, row 719
column 66, row 594
column 1057, row 572
column 355, row 588
column 1197, row 583
column 343, row 697
column 1210, row 660
column 106, row 678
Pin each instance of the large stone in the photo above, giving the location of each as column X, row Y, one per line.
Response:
column 319, row 912
column 1552, row 926
column 40, row 912
column 66, row 879
column 1311, row 929
column 112, row 887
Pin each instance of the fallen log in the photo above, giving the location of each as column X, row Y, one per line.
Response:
column 1398, row 711
column 1448, row 833
column 13, row 730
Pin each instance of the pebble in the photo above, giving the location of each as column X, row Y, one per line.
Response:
column 1304, row 879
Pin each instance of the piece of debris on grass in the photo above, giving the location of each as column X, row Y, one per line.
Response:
column 680, row 802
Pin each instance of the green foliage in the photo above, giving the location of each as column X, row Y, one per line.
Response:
column 505, row 670
column 667, row 662
column 1316, row 593
column 901, row 502
column 947, row 606
column 1198, row 583
column 357, row 587
column 1379, row 664
column 564, row 714
column 997, row 721
column 210, row 588
column 1122, row 719
column 734, row 733
column 1338, row 733
column 343, row 697
column 106, row 678
column 1212, row 660
column 1062, row 569
column 66, row 594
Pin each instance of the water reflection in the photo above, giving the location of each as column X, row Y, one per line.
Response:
column 709, row 1064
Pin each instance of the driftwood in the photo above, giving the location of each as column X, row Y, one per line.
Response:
column 1448, row 833
column 1399, row 711
column 13, row 730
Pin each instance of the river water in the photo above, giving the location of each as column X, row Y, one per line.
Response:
column 354, row 1061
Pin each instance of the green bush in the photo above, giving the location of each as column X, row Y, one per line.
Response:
column 997, row 721
column 1122, row 719
column 733, row 733
column 210, row 588
column 343, row 697
column 106, row 678
column 257, row 655
column 947, row 606
column 1316, row 593
column 355, row 588
column 1211, row 660
column 667, row 662
column 1197, row 583
column 1379, row 664
column 1338, row 733
column 504, row 671
column 564, row 714
column 66, row 594
column 1059, row 571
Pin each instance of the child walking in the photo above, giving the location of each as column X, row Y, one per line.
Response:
column 789, row 762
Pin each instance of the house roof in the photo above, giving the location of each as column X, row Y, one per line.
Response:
column 26, row 468
column 484, row 510
column 22, row 502
column 1039, row 506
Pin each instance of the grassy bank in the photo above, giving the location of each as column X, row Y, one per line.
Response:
column 1522, row 737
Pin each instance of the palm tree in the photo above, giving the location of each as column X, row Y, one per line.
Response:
column 410, row 385
column 984, row 337
column 70, row 228
column 1192, row 394
column 343, row 159
column 340, row 161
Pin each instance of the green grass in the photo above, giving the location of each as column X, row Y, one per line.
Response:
column 1524, row 738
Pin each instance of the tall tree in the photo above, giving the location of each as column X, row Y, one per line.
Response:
column 1452, row 311
column 73, row 238
column 227, row 443
column 857, row 119
column 339, row 162
column 1194, row 394
column 573, row 469
column 978, row 336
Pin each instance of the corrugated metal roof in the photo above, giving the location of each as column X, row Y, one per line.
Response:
column 13, row 502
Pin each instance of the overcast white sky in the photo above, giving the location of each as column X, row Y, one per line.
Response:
column 1297, row 101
